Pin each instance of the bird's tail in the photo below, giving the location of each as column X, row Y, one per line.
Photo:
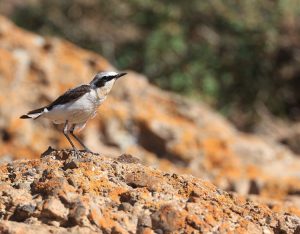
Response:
column 34, row 114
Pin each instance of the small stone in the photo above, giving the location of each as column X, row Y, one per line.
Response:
column 29, row 173
column 71, row 164
column 25, row 185
column 54, row 223
column 78, row 214
column 95, row 215
column 158, row 231
column 145, row 230
column 32, row 220
column 128, row 197
column 23, row 212
column 54, row 209
column 169, row 218
column 145, row 221
column 128, row 158
column 68, row 197
column 47, row 152
column 125, row 206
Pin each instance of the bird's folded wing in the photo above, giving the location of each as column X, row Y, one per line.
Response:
column 70, row 95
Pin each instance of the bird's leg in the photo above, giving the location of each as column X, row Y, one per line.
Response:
column 79, row 141
column 66, row 131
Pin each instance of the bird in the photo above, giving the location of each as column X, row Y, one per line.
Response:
column 76, row 106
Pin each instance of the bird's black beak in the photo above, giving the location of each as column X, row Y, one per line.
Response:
column 120, row 75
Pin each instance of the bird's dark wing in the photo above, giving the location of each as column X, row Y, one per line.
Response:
column 70, row 95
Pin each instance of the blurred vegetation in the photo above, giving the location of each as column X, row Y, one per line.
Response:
column 236, row 55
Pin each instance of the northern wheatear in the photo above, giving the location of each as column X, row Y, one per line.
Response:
column 76, row 106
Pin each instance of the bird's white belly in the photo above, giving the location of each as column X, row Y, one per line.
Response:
column 77, row 112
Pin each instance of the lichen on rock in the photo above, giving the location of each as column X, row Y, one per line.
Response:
column 120, row 195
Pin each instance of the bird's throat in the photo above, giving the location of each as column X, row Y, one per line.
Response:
column 104, row 90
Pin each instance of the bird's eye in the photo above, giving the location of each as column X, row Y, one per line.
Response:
column 108, row 78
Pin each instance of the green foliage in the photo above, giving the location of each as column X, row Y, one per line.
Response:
column 235, row 54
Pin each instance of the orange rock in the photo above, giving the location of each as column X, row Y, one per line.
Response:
column 48, row 195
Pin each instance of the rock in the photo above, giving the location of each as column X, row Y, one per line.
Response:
column 53, row 209
column 127, row 158
column 21, row 228
column 125, row 206
column 79, row 214
column 71, row 164
column 22, row 212
column 101, row 200
column 145, row 221
column 169, row 218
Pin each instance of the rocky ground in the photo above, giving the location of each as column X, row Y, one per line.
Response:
column 94, row 193
column 161, row 129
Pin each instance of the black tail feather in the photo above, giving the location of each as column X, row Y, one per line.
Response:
column 25, row 117
column 33, row 112
column 36, row 111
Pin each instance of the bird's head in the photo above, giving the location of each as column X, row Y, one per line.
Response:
column 104, row 81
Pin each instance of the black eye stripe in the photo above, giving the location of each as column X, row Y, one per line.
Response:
column 100, row 83
column 108, row 78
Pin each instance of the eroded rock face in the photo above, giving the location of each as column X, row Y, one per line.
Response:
column 160, row 128
column 102, row 194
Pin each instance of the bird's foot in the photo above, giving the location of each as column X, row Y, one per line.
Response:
column 87, row 150
column 76, row 153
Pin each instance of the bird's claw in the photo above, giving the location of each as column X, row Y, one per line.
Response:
column 87, row 150
column 75, row 153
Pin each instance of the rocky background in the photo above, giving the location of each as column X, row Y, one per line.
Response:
column 161, row 129
column 233, row 55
